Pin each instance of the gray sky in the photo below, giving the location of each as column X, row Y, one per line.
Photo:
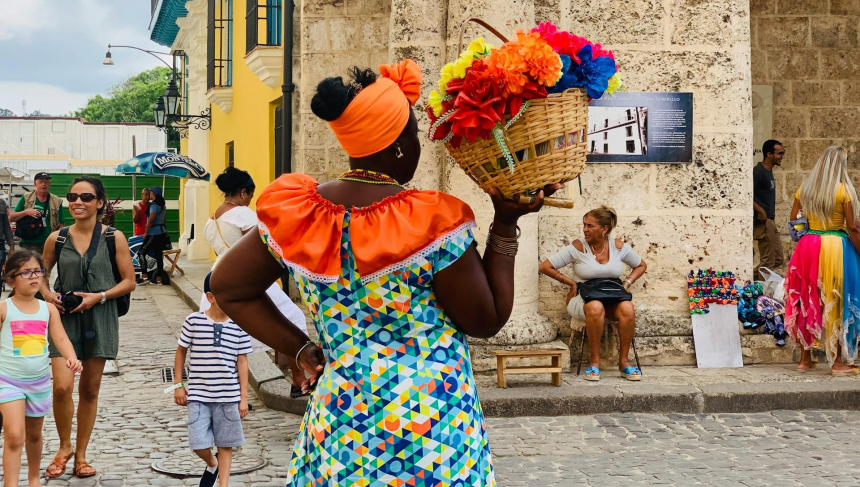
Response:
column 51, row 51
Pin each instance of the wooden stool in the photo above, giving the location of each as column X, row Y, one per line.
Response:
column 172, row 256
column 582, row 347
column 502, row 369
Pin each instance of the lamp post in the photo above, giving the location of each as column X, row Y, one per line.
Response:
column 167, row 108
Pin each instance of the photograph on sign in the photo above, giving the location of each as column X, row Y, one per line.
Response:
column 641, row 127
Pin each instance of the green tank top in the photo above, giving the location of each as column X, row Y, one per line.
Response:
column 24, row 343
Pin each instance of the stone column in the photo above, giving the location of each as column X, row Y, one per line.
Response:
column 192, row 39
column 527, row 328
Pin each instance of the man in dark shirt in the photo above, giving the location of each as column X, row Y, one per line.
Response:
column 764, row 202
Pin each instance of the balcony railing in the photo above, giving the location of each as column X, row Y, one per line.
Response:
column 262, row 23
column 219, row 66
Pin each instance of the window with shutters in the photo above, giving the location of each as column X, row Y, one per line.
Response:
column 219, row 49
column 262, row 23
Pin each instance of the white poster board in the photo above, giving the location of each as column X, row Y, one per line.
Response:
column 717, row 338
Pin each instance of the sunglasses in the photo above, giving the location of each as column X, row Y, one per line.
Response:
column 29, row 274
column 85, row 197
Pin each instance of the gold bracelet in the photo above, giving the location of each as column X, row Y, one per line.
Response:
column 503, row 245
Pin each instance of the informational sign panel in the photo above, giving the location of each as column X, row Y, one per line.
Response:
column 716, row 337
column 641, row 127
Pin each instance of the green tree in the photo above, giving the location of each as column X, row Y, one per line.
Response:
column 5, row 112
column 131, row 101
column 38, row 113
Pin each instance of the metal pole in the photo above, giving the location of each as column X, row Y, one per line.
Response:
column 287, row 89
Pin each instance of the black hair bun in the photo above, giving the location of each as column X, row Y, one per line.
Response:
column 232, row 180
column 333, row 96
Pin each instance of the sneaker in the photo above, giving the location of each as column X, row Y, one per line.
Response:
column 141, row 281
column 209, row 478
column 154, row 283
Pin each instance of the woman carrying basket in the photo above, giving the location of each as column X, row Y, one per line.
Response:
column 394, row 282
column 822, row 287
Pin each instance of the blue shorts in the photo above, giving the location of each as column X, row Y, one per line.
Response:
column 214, row 424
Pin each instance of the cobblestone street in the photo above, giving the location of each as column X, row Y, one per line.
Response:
column 138, row 425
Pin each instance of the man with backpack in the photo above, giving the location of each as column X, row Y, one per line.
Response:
column 38, row 214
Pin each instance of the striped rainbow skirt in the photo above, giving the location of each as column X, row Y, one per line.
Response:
column 822, row 294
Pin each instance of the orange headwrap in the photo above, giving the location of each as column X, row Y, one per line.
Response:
column 379, row 113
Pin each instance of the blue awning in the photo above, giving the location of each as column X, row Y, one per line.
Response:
column 163, row 25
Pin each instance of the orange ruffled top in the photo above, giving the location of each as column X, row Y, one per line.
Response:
column 303, row 229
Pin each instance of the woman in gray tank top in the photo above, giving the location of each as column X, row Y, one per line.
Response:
column 92, row 326
column 600, row 257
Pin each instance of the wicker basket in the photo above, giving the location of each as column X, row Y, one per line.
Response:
column 548, row 145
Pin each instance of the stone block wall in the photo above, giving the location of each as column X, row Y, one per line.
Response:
column 809, row 51
column 333, row 36
column 677, row 217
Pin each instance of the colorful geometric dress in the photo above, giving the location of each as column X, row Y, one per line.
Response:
column 397, row 403
column 822, row 287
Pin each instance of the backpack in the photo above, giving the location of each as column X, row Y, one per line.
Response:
column 123, row 302
column 29, row 228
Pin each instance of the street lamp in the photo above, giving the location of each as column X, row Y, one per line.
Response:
column 167, row 110
column 172, row 97
column 160, row 116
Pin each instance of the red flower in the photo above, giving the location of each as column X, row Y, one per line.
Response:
column 479, row 105
column 531, row 91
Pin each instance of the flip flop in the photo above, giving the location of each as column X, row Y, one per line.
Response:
column 58, row 461
column 592, row 373
column 853, row 371
column 631, row 373
column 813, row 366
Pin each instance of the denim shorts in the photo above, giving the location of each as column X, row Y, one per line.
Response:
column 214, row 424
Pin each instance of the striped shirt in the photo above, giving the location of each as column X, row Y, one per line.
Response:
column 214, row 350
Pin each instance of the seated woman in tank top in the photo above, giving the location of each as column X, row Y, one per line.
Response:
column 599, row 257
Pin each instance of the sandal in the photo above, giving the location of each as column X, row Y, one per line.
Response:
column 631, row 373
column 60, row 462
column 83, row 465
column 592, row 373
column 296, row 392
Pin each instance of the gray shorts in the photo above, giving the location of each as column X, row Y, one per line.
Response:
column 214, row 424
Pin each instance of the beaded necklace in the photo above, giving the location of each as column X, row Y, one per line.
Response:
column 370, row 177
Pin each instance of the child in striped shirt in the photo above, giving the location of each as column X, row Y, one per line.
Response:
column 216, row 390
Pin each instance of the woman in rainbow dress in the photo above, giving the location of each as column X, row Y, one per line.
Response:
column 394, row 282
column 822, row 288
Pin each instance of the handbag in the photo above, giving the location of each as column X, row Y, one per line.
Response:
column 605, row 290
column 798, row 228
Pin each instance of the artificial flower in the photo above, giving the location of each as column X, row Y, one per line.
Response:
column 447, row 73
column 560, row 40
column 531, row 91
column 435, row 102
column 544, row 65
column 591, row 73
column 479, row 106
column 480, row 47
column 614, row 84
column 507, row 65
column 599, row 51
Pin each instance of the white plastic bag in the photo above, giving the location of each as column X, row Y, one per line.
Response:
column 773, row 284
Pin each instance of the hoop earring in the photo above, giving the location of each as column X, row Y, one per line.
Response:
column 398, row 153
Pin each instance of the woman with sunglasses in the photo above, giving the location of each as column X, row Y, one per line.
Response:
column 84, row 269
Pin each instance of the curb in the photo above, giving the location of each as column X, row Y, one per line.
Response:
column 591, row 398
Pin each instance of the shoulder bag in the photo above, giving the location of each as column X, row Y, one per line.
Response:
column 605, row 290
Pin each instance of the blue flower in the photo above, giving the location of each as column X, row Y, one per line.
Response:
column 591, row 73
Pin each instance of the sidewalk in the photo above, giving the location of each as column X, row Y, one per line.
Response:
column 662, row 389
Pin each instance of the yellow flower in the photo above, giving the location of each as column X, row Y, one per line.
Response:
column 435, row 102
column 480, row 47
column 614, row 84
column 447, row 74
column 463, row 62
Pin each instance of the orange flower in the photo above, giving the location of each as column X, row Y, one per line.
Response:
column 544, row 65
column 509, row 67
